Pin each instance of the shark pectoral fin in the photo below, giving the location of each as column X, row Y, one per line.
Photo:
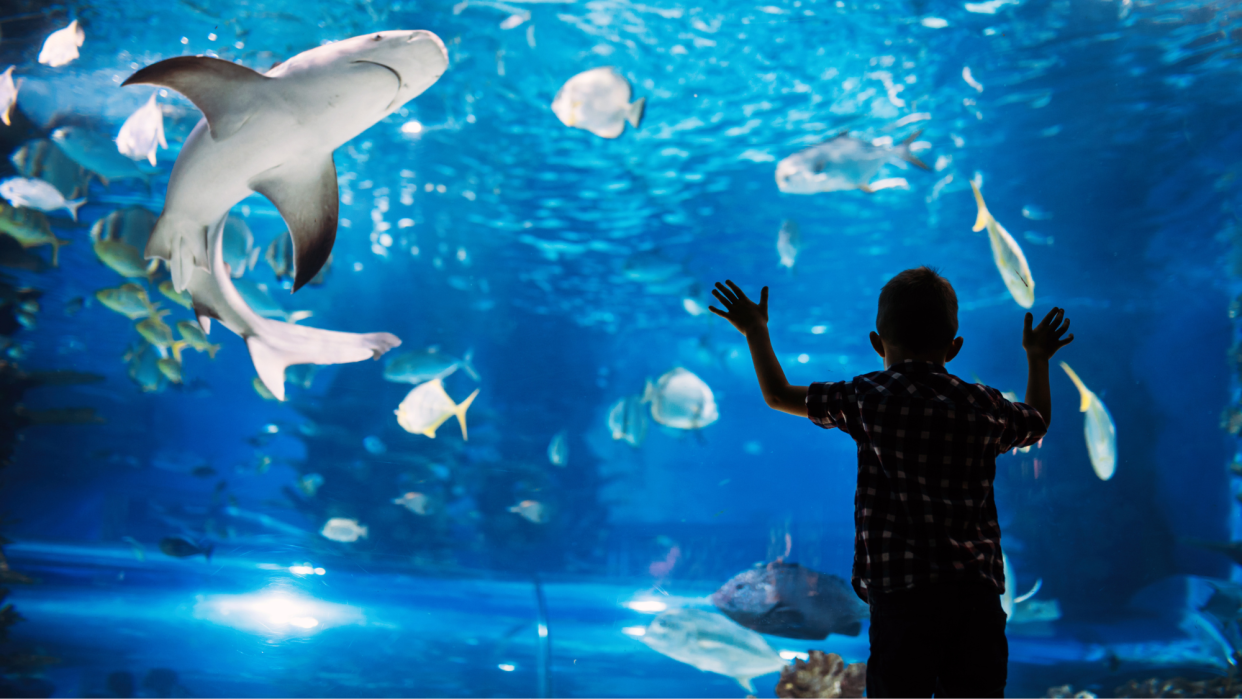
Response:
column 222, row 90
column 269, row 364
column 746, row 684
column 305, row 193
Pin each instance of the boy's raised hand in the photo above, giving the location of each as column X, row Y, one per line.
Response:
column 744, row 314
column 1043, row 341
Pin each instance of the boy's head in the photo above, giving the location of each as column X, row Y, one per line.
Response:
column 918, row 315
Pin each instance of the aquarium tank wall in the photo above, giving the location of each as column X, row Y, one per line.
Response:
column 362, row 348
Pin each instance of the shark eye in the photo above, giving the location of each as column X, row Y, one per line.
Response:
column 379, row 37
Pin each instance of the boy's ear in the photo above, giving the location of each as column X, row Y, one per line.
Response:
column 954, row 348
column 877, row 343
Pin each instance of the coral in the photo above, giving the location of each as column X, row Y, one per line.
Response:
column 823, row 675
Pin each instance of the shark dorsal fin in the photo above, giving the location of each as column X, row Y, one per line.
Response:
column 217, row 87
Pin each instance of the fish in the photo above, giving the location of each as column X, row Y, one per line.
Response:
column 98, row 154
column 178, row 547
column 788, row 240
column 61, row 46
column 194, row 338
column 627, row 420
column 37, row 194
column 1035, row 213
column 1034, row 610
column 203, row 471
column 598, row 100
column 273, row 345
column 343, row 530
column 558, row 449
column 131, row 225
column 279, row 257
column 142, row 365
column 130, row 300
column 681, row 400
column 650, row 267
column 170, row 367
column 428, row 406
column 178, row 297
column 787, row 600
column 426, row 365
column 240, row 254
column 257, row 297
column 142, row 134
column 1006, row 254
column 1100, row 431
column 8, row 95
column 274, row 133
column 712, row 643
column 30, row 228
column 154, row 330
column 531, row 510
column 841, row 163
column 417, row 503
column 41, row 159
column 74, row 305
column 310, row 484
column 124, row 260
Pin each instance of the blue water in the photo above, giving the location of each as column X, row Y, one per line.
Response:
column 1114, row 123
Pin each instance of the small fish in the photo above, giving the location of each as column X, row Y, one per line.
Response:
column 61, row 46
column 37, row 194
column 130, row 300
column 43, row 160
column 1035, row 213
column 650, row 267
column 30, row 228
column 1100, row 431
column 97, row 153
column 280, row 258
column 310, row 483
column 343, row 530
column 531, row 510
column 142, row 364
column 194, row 338
column 131, row 225
column 428, row 406
column 712, row 643
column 1006, row 254
column 154, row 330
column 841, row 163
column 694, row 306
column 170, row 368
column 74, row 305
column 143, row 132
column 8, row 95
column 240, row 254
column 970, row 79
column 417, row 503
column 203, row 471
column 681, row 400
column 558, row 449
column 180, row 298
column 787, row 600
column 598, row 101
column 426, row 365
column 178, row 547
column 374, row 445
column 628, row 420
column 788, row 240
column 125, row 260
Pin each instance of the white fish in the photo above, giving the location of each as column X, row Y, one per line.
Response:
column 143, row 132
column 558, row 449
column 61, row 46
column 428, row 406
column 841, row 163
column 1035, row 213
column 711, row 642
column 694, row 306
column 628, row 420
column 417, row 503
column 240, row 253
column 1008, row 256
column 37, row 194
column 274, row 134
column 970, row 79
column 343, row 530
column 598, row 100
column 681, row 400
column 1100, row 431
column 274, row 345
column 531, row 511
column 8, row 95
column 787, row 242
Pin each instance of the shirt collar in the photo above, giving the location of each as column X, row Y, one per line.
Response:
column 914, row 366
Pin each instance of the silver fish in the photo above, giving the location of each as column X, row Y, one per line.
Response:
column 61, row 46
column 712, row 643
column 143, row 132
column 37, row 194
column 97, row 153
column 841, row 163
column 627, row 420
column 8, row 95
column 427, row 365
column 681, row 400
column 558, row 449
column 598, row 100
column 788, row 240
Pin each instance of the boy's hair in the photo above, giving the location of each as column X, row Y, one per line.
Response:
column 918, row 310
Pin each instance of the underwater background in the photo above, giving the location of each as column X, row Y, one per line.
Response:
column 571, row 270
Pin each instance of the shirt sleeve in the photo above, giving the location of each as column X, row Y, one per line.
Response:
column 827, row 403
column 1024, row 425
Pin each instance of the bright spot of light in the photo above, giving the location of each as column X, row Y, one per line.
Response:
column 304, row 622
column 819, row 329
column 635, row 631
column 302, row 570
column 804, row 358
column 650, row 606
column 275, row 613
column 507, row 667
column 543, row 631
column 320, row 571
column 211, row 37
column 790, row 655
column 411, row 127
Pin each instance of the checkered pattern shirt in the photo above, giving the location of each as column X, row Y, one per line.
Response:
column 927, row 448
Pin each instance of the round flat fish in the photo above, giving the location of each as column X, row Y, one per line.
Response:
column 681, row 400
column 598, row 100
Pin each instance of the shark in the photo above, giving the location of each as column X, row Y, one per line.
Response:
column 274, row 345
column 274, row 133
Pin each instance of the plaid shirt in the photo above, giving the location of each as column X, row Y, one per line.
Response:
column 927, row 448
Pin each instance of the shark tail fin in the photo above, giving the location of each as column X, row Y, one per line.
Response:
column 467, row 363
column 1083, row 392
column 981, row 221
column 74, row 205
column 460, row 412
column 634, row 114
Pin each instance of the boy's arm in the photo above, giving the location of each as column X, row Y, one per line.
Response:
column 1040, row 343
column 751, row 319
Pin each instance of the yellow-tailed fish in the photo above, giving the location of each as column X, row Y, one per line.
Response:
column 130, row 300
column 170, row 368
column 1007, row 255
column 427, row 407
column 195, row 339
column 180, row 298
column 1100, row 430
column 124, row 259
column 261, row 389
column 157, row 332
column 29, row 227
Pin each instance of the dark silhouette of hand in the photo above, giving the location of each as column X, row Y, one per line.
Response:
column 1043, row 341
column 744, row 314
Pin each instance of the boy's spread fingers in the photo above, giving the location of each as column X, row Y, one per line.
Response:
column 718, row 312
column 721, row 298
column 724, row 294
column 735, row 289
